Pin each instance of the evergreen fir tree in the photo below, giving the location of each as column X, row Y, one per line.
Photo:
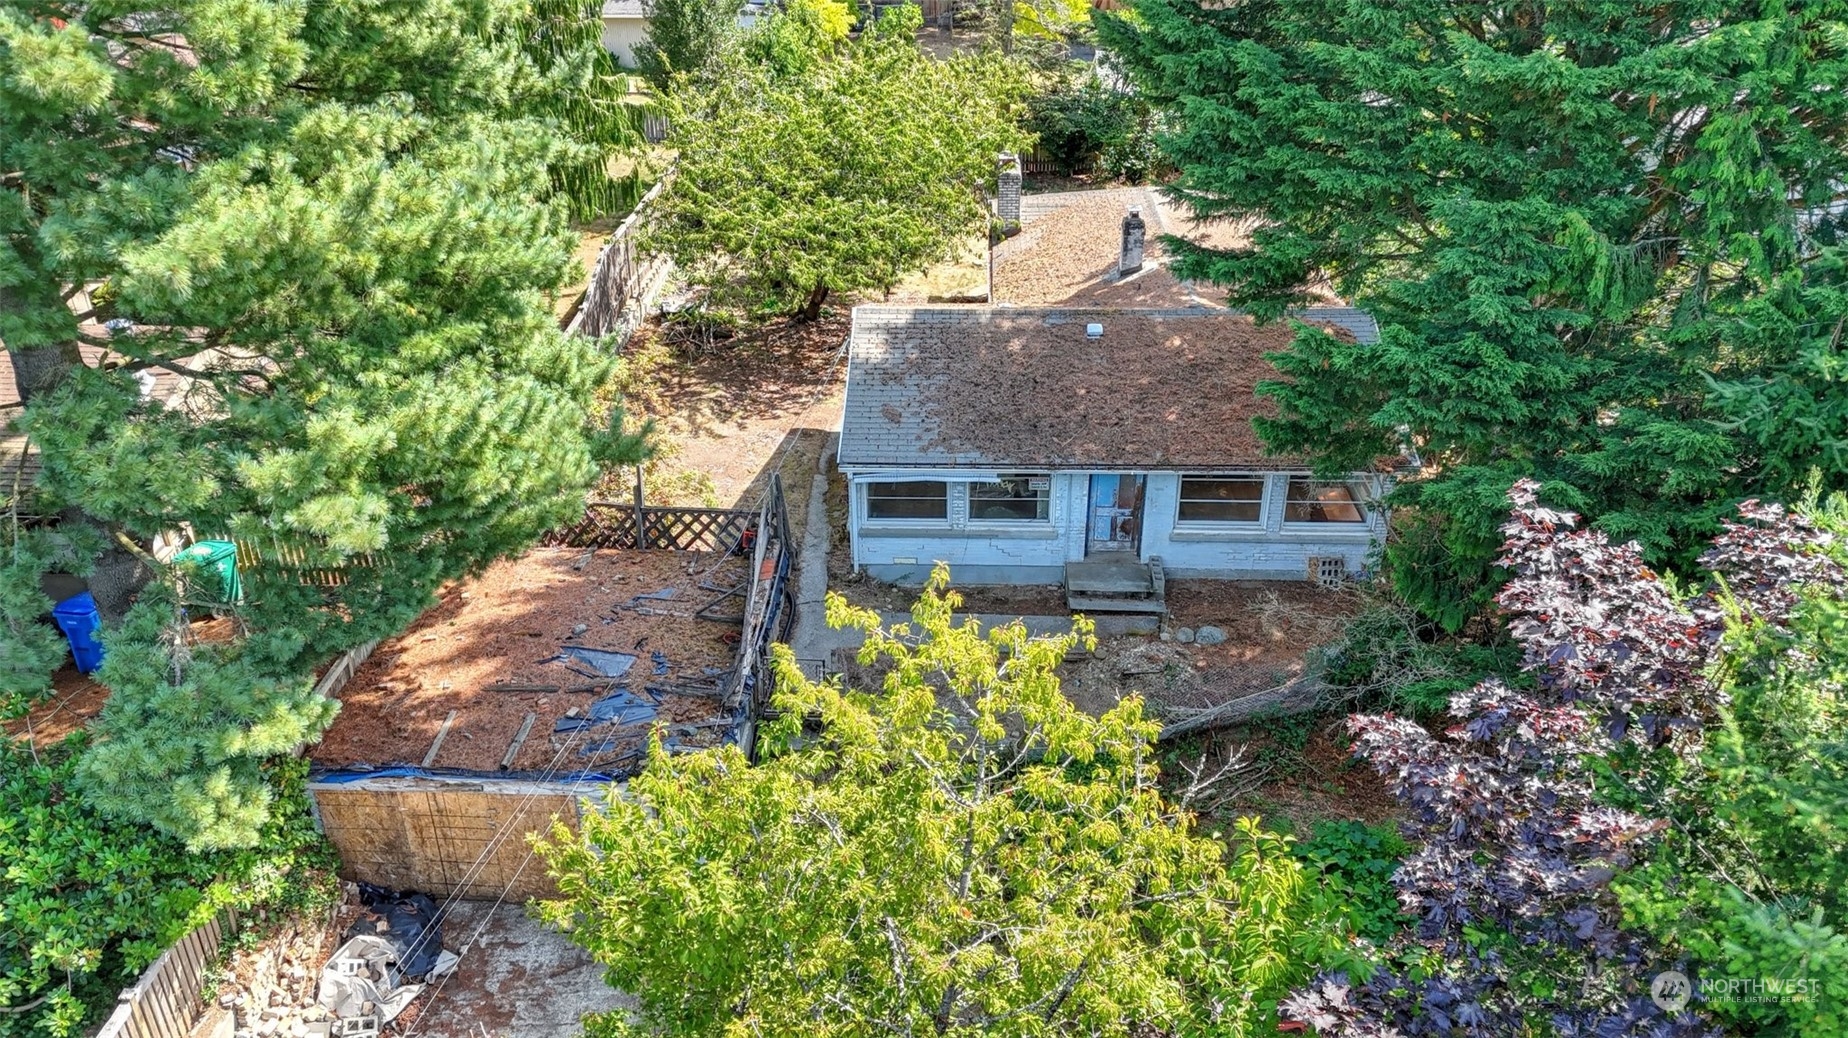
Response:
column 1604, row 242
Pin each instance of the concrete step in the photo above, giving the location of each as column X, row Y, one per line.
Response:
column 1116, row 586
column 1101, row 604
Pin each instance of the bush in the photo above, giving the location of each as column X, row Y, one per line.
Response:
column 1086, row 126
column 1752, row 884
column 1354, row 863
column 1518, row 839
column 89, row 903
column 1389, row 658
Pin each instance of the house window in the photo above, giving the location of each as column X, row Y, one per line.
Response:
column 1316, row 501
column 1025, row 497
column 929, row 499
column 1222, row 499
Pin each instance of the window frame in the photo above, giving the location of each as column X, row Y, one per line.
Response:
column 1044, row 499
column 1181, row 500
column 867, row 497
column 1360, row 496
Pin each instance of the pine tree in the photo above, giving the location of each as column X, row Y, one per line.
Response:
column 333, row 227
column 1603, row 240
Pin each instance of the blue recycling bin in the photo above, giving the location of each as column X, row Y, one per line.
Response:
column 81, row 623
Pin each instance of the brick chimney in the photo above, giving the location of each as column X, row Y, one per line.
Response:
column 1007, row 193
column 1134, row 231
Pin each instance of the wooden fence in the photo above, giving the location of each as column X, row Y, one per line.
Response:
column 623, row 278
column 164, row 1002
column 770, row 610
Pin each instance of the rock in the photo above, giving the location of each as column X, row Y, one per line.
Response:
column 1166, row 636
column 1210, row 636
column 1184, row 635
column 579, row 629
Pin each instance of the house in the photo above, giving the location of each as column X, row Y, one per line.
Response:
column 625, row 25
column 1106, row 448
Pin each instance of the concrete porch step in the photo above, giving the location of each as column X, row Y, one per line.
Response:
column 1115, row 586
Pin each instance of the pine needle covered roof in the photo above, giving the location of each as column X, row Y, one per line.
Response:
column 982, row 387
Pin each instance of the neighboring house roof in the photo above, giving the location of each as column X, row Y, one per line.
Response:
column 985, row 387
column 19, row 458
column 1069, row 242
column 625, row 9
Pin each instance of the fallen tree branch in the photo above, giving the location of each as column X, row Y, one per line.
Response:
column 1297, row 696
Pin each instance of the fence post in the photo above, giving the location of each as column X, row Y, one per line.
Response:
column 641, row 519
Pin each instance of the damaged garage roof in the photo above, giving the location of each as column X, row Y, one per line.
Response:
column 981, row 387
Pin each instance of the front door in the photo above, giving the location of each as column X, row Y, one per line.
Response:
column 1116, row 514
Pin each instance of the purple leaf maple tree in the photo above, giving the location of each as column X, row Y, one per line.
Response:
column 1514, row 850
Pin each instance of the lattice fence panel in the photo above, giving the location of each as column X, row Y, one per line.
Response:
column 613, row 525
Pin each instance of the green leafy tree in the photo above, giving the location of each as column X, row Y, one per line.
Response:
column 89, row 902
column 1752, row 884
column 686, row 38
column 800, row 35
column 329, row 231
column 844, row 175
column 589, row 95
column 963, row 852
column 1603, row 241
column 184, row 739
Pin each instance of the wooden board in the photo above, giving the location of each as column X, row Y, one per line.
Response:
column 442, row 838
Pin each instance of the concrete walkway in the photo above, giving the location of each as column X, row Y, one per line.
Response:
column 809, row 638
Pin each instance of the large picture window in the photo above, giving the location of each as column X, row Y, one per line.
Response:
column 1022, row 498
column 1315, row 501
column 1222, row 499
column 928, row 499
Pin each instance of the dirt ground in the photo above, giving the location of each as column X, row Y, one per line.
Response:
column 74, row 700
column 507, row 628
column 728, row 415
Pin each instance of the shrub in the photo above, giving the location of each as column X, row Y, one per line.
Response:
column 89, row 902
column 1086, row 126
column 1354, row 862
column 1518, row 840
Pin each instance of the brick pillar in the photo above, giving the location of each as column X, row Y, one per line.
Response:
column 1007, row 192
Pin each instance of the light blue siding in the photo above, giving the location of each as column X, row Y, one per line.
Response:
column 1036, row 552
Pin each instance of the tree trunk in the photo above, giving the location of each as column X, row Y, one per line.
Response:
column 811, row 309
column 119, row 575
column 1297, row 696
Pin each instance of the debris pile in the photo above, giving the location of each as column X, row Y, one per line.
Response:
column 290, row 986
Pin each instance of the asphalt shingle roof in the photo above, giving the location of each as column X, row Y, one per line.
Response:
column 981, row 387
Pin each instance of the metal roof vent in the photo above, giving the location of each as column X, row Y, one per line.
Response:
column 1093, row 331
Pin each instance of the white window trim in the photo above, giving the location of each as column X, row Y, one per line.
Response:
column 1359, row 529
column 1257, row 525
column 1010, row 524
column 868, row 520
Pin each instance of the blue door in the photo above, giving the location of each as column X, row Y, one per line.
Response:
column 1116, row 514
